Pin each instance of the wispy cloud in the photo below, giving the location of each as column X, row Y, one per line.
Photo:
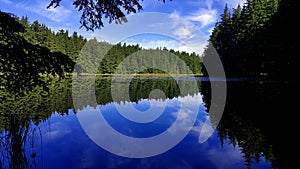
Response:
column 6, row 1
column 59, row 14
column 204, row 16
column 208, row 12
column 186, row 115
column 187, row 32
column 58, row 130
column 153, row 44
column 171, row 31
column 233, row 156
column 193, row 45
column 183, row 30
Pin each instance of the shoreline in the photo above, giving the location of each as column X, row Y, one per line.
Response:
column 136, row 75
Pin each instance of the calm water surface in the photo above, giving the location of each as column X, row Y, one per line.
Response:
column 43, row 131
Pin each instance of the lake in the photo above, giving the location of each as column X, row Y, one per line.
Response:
column 48, row 128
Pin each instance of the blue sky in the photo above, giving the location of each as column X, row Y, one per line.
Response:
column 200, row 15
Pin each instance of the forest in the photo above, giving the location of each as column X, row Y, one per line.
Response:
column 246, row 39
column 31, row 51
column 257, row 39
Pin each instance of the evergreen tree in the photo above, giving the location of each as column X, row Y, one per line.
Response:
column 241, row 40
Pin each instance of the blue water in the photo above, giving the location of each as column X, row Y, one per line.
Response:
column 60, row 142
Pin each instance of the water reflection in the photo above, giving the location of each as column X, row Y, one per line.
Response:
column 20, row 115
column 252, row 118
column 179, row 117
column 32, row 136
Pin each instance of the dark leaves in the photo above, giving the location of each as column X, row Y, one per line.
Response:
column 93, row 11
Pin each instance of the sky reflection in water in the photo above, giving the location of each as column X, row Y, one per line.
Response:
column 65, row 144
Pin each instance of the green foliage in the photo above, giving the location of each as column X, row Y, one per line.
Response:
column 37, row 105
column 21, row 113
column 259, row 41
column 104, row 58
column 139, row 88
column 30, row 51
column 250, row 117
column 251, row 42
column 139, row 58
column 94, row 10
column 25, row 56
column 40, row 34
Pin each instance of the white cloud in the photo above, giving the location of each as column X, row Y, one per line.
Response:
column 187, row 114
column 6, row 1
column 233, row 159
column 175, row 18
column 209, row 3
column 184, row 32
column 182, row 29
column 58, row 130
column 170, row 44
column 207, row 13
column 58, row 14
column 157, row 30
column 204, row 16
column 188, row 33
column 196, row 46
column 67, row 24
column 184, row 49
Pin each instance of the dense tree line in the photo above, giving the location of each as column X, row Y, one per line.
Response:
column 30, row 51
column 20, row 115
column 121, row 58
column 255, row 39
column 139, row 58
column 61, row 41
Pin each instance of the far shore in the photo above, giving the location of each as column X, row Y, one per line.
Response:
column 136, row 75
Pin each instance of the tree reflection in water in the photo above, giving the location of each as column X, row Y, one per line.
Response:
column 20, row 115
column 247, row 123
column 253, row 117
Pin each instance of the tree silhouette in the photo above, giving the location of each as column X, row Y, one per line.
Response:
column 94, row 10
column 22, row 63
column 244, row 40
